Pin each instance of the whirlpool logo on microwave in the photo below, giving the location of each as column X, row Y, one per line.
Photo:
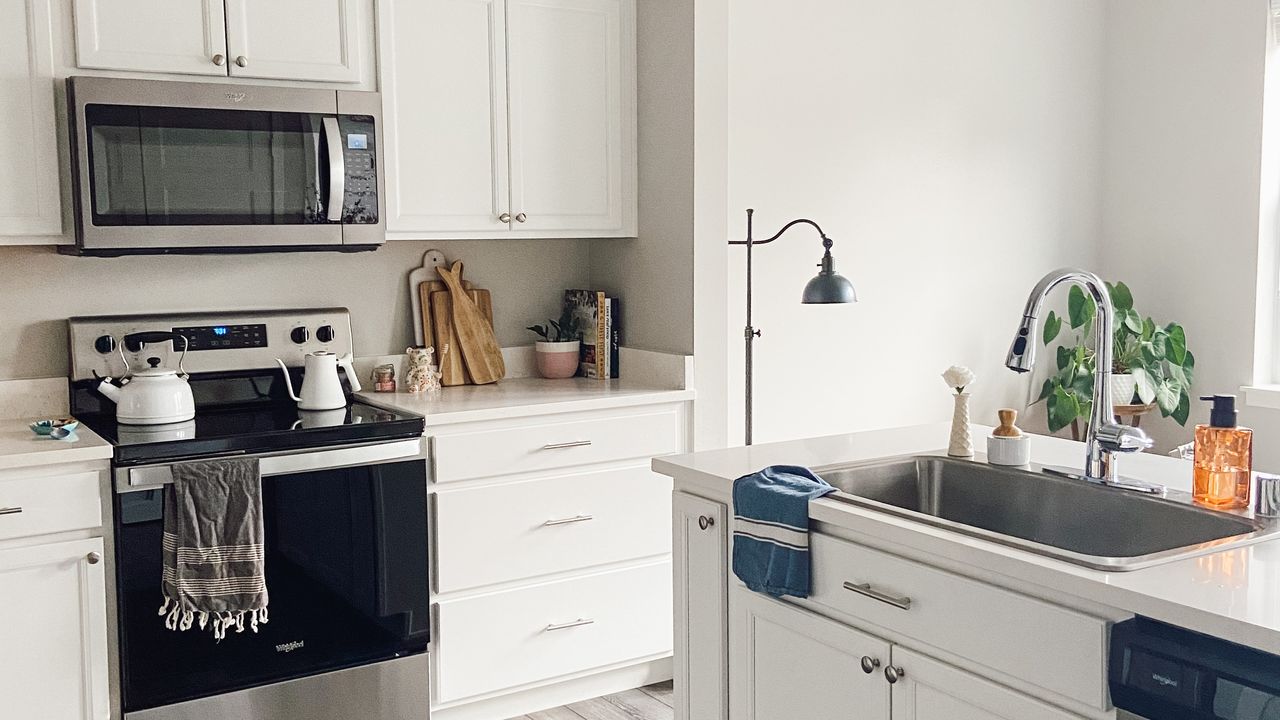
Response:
column 291, row 646
column 235, row 96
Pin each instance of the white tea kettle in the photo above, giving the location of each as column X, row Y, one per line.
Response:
column 155, row 395
column 321, row 387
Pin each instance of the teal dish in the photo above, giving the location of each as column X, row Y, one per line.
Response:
column 46, row 427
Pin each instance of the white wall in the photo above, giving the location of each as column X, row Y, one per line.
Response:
column 40, row 289
column 1183, row 173
column 951, row 150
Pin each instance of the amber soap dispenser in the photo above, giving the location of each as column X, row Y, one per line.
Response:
column 1223, row 457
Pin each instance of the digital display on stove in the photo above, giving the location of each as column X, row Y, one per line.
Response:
column 224, row 337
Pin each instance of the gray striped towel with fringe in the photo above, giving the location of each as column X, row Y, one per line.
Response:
column 214, row 555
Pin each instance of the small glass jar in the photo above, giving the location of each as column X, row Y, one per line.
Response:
column 384, row 378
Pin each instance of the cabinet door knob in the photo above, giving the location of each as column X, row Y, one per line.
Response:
column 894, row 674
column 505, row 217
column 242, row 61
column 219, row 59
column 521, row 217
column 706, row 521
column 93, row 558
column 869, row 664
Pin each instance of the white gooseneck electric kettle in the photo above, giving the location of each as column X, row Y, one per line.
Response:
column 321, row 386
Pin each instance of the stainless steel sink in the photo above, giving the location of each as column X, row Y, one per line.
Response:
column 1072, row 520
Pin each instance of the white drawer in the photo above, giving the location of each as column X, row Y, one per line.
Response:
column 50, row 504
column 1003, row 630
column 509, row 639
column 550, row 445
column 499, row 533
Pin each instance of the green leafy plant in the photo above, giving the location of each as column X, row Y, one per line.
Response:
column 565, row 330
column 1156, row 355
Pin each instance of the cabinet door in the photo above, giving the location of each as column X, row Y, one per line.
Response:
column 53, row 632
column 29, row 195
column 787, row 663
column 294, row 39
column 165, row 36
column 444, row 92
column 700, row 549
column 573, row 115
column 931, row 690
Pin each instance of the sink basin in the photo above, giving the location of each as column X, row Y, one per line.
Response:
column 1068, row 519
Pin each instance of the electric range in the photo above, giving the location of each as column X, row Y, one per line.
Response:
column 344, row 510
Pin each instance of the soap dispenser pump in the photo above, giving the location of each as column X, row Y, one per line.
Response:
column 1223, row 457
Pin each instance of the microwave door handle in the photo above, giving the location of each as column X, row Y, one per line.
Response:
column 337, row 168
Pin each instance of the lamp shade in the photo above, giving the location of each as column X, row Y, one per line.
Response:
column 829, row 286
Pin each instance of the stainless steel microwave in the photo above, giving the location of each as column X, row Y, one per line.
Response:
column 177, row 167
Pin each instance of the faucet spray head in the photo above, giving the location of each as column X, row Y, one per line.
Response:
column 1022, row 353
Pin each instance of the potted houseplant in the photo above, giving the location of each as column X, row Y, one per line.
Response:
column 558, row 351
column 1151, row 363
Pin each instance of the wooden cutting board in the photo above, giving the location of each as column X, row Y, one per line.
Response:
column 431, row 259
column 480, row 350
column 453, row 370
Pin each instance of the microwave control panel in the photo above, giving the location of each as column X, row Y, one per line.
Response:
column 359, row 143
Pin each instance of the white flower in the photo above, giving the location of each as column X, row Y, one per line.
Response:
column 958, row 377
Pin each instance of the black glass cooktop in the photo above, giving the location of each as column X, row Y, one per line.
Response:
column 262, row 427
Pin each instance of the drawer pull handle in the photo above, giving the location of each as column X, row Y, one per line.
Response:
column 903, row 603
column 566, row 521
column 894, row 674
column 565, row 626
column 705, row 521
column 10, row 511
column 563, row 445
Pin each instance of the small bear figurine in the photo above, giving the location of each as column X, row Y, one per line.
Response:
column 422, row 375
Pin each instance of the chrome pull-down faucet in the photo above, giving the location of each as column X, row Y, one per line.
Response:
column 1105, row 437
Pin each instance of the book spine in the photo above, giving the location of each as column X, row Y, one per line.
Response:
column 607, row 348
column 602, row 338
column 615, row 336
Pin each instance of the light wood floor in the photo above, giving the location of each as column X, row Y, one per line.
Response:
column 646, row 703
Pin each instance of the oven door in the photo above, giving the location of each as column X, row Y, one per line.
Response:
column 346, row 570
column 190, row 167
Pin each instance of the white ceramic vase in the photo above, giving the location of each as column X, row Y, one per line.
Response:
column 1123, row 386
column 961, row 438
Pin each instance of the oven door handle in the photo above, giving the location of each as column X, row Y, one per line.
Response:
column 337, row 168
column 156, row 476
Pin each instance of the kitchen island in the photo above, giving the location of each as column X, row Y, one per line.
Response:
column 992, row 630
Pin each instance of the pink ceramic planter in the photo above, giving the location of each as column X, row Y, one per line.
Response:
column 557, row 360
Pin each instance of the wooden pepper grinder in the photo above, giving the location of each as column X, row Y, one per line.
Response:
column 1008, row 417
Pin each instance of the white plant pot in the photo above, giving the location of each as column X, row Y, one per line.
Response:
column 1123, row 386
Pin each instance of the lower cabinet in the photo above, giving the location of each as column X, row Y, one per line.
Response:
column 53, row 607
column 700, row 547
column 789, row 663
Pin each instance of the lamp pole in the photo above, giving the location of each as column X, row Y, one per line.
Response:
column 750, row 332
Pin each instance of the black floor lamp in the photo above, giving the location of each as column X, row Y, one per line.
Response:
column 828, row 287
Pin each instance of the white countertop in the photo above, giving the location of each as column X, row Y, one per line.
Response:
column 1233, row 594
column 522, row 397
column 19, row 447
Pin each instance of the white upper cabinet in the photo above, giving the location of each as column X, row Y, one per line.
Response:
column 294, row 39
column 171, row 36
column 29, row 197
column 509, row 118
column 444, row 86
column 312, row 40
column 569, row 96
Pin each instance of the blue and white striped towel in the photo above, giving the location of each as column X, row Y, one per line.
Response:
column 771, row 528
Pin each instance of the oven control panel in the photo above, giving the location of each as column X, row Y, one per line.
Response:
column 217, row 342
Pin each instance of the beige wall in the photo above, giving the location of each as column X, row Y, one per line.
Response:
column 952, row 152
column 39, row 289
column 1183, row 179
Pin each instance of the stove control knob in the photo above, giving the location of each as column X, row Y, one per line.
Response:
column 325, row 333
column 104, row 344
column 299, row 335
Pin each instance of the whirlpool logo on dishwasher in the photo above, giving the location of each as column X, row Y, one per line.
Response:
column 1164, row 680
column 291, row 646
